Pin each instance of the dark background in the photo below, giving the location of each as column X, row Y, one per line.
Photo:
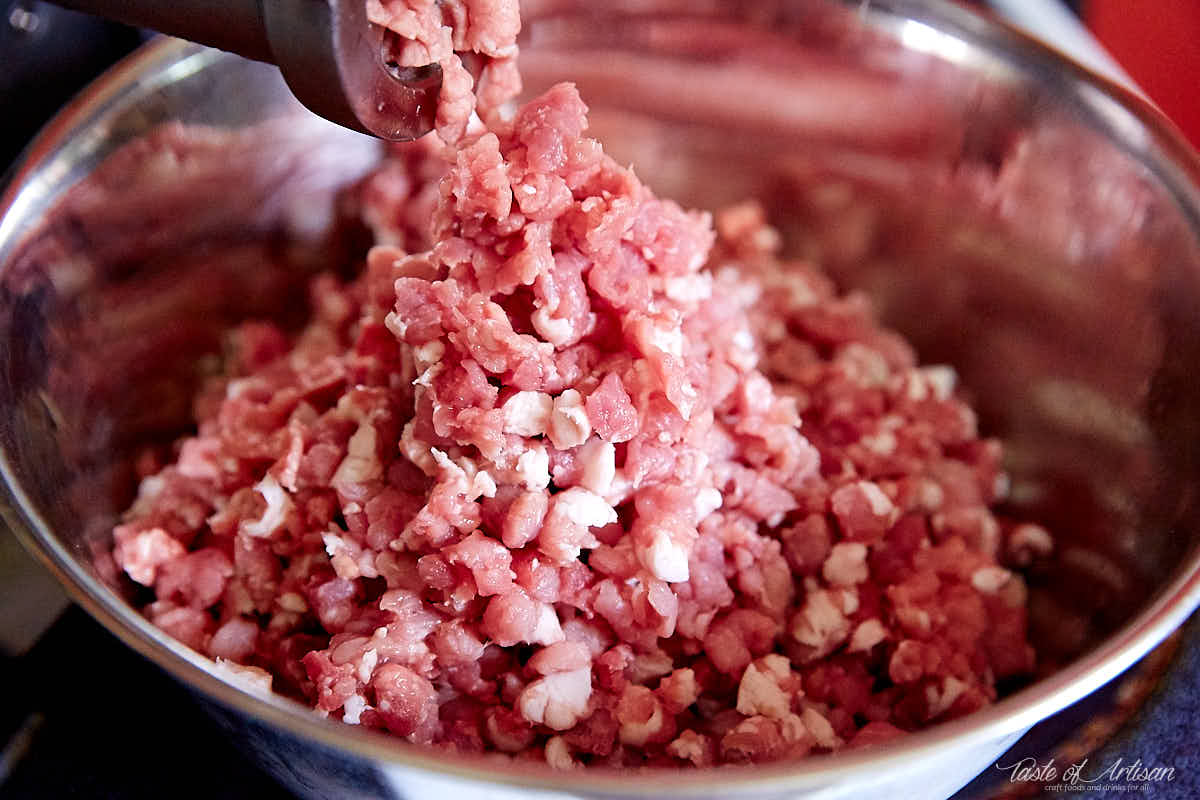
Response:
column 47, row 54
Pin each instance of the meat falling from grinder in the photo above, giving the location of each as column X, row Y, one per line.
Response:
column 393, row 70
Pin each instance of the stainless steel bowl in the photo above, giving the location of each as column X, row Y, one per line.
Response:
column 1011, row 213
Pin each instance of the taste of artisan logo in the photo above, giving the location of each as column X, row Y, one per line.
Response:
column 1118, row 776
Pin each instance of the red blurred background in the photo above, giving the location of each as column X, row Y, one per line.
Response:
column 1158, row 43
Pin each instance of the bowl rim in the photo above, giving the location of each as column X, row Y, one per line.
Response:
column 1162, row 147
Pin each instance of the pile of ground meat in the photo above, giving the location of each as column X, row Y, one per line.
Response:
column 573, row 474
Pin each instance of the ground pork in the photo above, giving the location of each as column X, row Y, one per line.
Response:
column 577, row 474
column 461, row 37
